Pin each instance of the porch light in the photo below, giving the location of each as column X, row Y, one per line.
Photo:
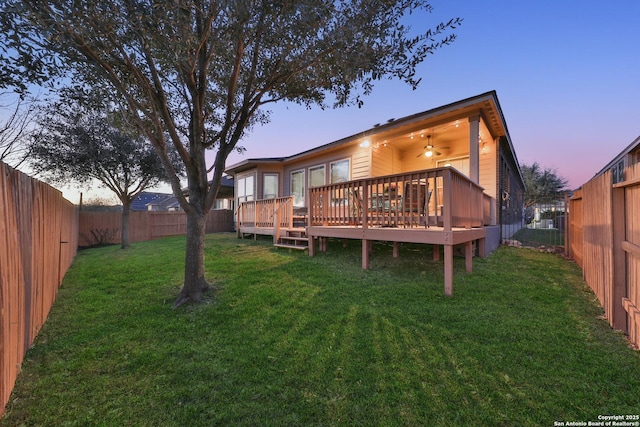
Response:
column 365, row 143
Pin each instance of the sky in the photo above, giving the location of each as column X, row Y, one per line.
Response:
column 566, row 72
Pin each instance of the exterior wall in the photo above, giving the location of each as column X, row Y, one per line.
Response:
column 385, row 161
column 511, row 194
column 488, row 163
column 268, row 169
column 451, row 133
column 361, row 162
column 359, row 157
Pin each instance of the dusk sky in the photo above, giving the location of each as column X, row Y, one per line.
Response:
column 567, row 75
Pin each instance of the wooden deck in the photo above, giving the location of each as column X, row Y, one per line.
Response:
column 440, row 207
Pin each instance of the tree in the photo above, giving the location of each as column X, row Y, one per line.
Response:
column 79, row 142
column 15, row 129
column 542, row 185
column 198, row 74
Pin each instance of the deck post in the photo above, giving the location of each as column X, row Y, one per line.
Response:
column 312, row 245
column 468, row 256
column 396, row 249
column 448, row 270
column 240, row 221
column 482, row 250
column 365, row 254
column 436, row 252
column 474, row 149
column 448, row 200
column 276, row 224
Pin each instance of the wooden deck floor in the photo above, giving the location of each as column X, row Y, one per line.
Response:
column 430, row 235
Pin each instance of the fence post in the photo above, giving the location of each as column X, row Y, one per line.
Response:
column 567, row 225
column 619, row 291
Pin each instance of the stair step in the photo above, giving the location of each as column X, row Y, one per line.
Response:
column 291, row 246
column 295, row 238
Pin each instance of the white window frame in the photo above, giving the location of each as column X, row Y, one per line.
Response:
column 242, row 196
column 300, row 202
column 312, row 169
column 331, row 165
column 264, row 186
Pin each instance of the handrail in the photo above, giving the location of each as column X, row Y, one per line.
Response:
column 262, row 213
column 442, row 196
column 288, row 214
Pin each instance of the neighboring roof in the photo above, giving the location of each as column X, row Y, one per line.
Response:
column 631, row 147
column 168, row 203
column 486, row 104
column 225, row 191
column 168, row 200
column 140, row 203
column 226, row 187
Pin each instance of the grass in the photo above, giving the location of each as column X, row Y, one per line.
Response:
column 290, row 340
column 540, row 237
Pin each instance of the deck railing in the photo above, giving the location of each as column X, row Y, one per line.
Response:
column 261, row 213
column 434, row 197
column 440, row 197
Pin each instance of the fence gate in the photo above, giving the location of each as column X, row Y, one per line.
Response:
column 626, row 235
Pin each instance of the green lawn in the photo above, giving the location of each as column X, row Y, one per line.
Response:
column 289, row 340
column 539, row 237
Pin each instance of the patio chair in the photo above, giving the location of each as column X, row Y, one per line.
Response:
column 415, row 203
column 355, row 205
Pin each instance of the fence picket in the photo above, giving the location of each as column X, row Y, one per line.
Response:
column 604, row 237
column 34, row 220
column 143, row 226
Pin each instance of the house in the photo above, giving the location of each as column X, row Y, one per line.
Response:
column 447, row 176
column 163, row 202
column 168, row 203
column 628, row 157
column 149, row 201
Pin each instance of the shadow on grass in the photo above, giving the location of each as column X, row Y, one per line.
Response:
column 293, row 340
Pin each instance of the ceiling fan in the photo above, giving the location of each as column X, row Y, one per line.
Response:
column 430, row 149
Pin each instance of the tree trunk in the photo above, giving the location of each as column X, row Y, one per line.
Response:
column 124, row 231
column 194, row 281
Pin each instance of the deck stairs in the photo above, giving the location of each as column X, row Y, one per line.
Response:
column 293, row 238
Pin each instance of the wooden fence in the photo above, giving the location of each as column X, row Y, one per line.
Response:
column 605, row 241
column 104, row 227
column 38, row 241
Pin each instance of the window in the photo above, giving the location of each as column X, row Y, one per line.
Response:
column 245, row 188
column 460, row 163
column 316, row 176
column 297, row 187
column 340, row 171
column 270, row 186
column 221, row 204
